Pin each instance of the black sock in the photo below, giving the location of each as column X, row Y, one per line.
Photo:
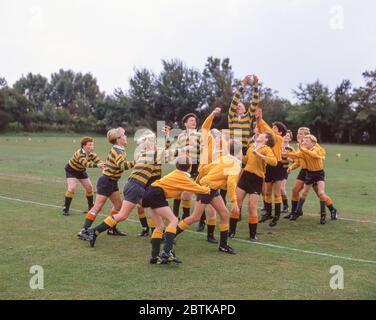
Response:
column 285, row 203
column 203, row 218
column 330, row 207
column 186, row 213
column 90, row 202
column 223, row 195
column 299, row 207
column 144, row 223
column 268, row 208
column 178, row 231
column 277, row 210
column 294, row 204
column 265, row 204
column 233, row 224
column 87, row 223
column 322, row 206
column 252, row 230
column 211, row 231
column 67, row 203
column 223, row 238
column 101, row 228
column 176, row 207
column 169, row 238
column 155, row 246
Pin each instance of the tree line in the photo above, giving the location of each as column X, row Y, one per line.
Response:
column 70, row 101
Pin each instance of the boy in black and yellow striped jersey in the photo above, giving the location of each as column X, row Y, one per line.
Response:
column 241, row 121
column 75, row 170
column 107, row 185
column 149, row 161
column 155, row 199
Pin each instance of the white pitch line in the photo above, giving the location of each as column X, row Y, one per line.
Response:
column 328, row 255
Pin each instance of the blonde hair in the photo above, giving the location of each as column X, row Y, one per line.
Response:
column 311, row 137
column 114, row 134
column 305, row 130
column 146, row 138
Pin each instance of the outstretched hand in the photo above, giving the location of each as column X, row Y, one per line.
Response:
column 216, row 112
column 255, row 80
column 245, row 80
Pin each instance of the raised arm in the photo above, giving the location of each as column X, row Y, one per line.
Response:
column 235, row 99
column 255, row 99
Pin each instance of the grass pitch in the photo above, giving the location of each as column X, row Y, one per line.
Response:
column 291, row 261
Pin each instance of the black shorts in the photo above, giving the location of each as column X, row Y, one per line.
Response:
column 207, row 198
column 106, row 186
column 274, row 174
column 302, row 175
column 71, row 173
column 133, row 192
column 285, row 174
column 250, row 183
column 154, row 198
column 313, row 177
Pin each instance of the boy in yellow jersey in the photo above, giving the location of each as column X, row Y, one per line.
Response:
column 273, row 174
column 220, row 174
column 314, row 156
column 155, row 199
column 241, row 122
column 107, row 185
column 149, row 160
column 259, row 155
column 216, row 145
column 75, row 170
column 285, row 165
column 299, row 182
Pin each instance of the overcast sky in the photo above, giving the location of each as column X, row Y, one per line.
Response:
column 285, row 42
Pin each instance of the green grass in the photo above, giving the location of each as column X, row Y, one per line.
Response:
column 117, row 268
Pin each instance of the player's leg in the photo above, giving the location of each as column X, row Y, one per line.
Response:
column 156, row 237
column 88, row 186
column 253, row 216
column 212, row 220
column 277, row 202
column 168, row 255
column 240, row 195
column 71, row 188
column 117, row 204
column 194, row 217
column 268, row 202
column 144, row 222
column 219, row 205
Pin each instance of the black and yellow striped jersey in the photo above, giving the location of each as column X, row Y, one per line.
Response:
column 82, row 160
column 148, row 167
column 241, row 126
column 192, row 140
column 117, row 163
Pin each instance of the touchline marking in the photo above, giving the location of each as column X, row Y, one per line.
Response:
column 197, row 233
column 307, row 214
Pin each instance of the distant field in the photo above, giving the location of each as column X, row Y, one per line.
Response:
column 291, row 261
